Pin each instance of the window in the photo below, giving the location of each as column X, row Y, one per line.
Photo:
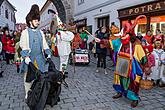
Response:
column 11, row 17
column 80, row 2
column 103, row 21
column 6, row 13
column 2, row 13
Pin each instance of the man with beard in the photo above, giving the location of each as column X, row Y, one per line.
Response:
column 33, row 45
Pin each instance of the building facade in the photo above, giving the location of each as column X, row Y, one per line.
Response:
column 97, row 13
column 7, row 15
column 45, row 17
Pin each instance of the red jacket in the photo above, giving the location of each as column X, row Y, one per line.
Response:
column 4, row 42
column 10, row 45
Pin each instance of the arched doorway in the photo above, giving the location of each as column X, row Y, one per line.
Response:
column 64, row 9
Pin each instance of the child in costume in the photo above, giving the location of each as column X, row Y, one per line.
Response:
column 148, row 48
column 159, row 54
column 128, row 46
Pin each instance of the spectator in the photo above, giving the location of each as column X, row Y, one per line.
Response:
column 149, row 37
column 4, row 44
column 17, row 56
column 101, row 50
column 10, row 49
column 77, row 40
column 84, row 38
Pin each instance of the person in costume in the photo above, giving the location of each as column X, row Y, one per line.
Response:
column 33, row 45
column 157, row 71
column 128, row 46
column 63, row 40
column 114, row 30
column 148, row 48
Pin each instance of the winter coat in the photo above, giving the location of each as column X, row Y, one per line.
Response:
column 10, row 48
column 99, row 47
column 76, row 41
column 84, row 38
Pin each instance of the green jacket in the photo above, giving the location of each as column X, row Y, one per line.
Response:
column 83, row 36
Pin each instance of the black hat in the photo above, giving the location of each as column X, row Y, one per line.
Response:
column 5, row 29
column 34, row 14
column 51, row 11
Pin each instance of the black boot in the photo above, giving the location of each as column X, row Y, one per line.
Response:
column 1, row 74
column 66, row 74
column 118, row 95
column 18, row 70
column 134, row 103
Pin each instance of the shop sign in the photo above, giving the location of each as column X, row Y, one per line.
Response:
column 80, row 22
column 141, row 9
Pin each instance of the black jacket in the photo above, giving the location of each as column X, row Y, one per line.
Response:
column 101, row 36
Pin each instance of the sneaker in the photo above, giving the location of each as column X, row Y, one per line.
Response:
column 105, row 71
column 97, row 70
column 1, row 74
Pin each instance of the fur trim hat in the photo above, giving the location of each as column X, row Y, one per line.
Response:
column 34, row 14
column 5, row 29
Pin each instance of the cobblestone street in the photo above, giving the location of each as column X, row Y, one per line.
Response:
column 87, row 91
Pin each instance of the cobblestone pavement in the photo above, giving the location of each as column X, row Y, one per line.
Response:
column 87, row 91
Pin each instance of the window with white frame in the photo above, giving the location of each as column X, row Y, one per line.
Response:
column 6, row 13
column 80, row 2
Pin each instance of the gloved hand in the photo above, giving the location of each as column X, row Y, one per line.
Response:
column 49, row 56
column 27, row 60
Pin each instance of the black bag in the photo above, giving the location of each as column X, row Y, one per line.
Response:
column 45, row 89
column 33, row 73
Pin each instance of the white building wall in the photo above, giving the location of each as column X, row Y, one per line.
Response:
column 45, row 17
column 110, row 10
column 3, row 20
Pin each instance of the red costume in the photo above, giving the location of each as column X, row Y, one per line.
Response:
column 4, row 42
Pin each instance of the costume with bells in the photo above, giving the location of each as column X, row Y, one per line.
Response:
column 63, row 39
column 128, row 46
column 33, row 45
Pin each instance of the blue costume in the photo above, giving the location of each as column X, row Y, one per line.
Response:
column 36, row 50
